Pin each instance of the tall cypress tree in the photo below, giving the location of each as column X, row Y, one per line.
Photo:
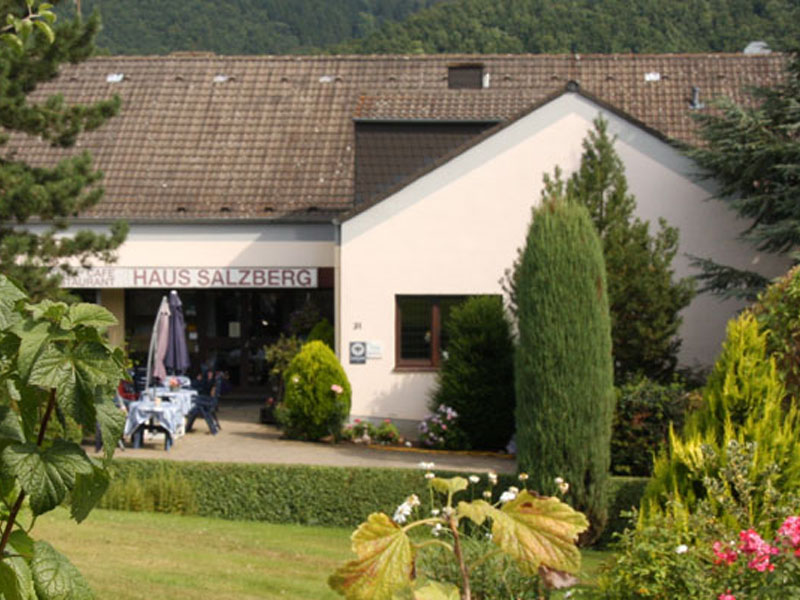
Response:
column 47, row 195
column 564, row 371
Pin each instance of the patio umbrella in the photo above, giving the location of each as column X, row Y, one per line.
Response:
column 158, row 343
column 177, row 358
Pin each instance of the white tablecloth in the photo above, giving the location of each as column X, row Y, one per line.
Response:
column 182, row 397
column 167, row 414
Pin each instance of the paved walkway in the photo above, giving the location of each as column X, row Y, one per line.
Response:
column 244, row 440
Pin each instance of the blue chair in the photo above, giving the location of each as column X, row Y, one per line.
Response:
column 206, row 406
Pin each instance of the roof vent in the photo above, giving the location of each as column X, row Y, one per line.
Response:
column 115, row 77
column 573, row 86
column 222, row 78
column 758, row 47
column 695, row 103
column 312, row 209
column 224, row 209
column 327, row 79
column 181, row 209
column 269, row 209
column 652, row 76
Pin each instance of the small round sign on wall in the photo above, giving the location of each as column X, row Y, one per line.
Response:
column 358, row 353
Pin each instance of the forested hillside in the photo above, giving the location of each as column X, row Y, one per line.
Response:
column 555, row 26
column 240, row 26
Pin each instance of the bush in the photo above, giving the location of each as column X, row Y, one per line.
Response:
column 317, row 400
column 278, row 356
column 323, row 332
column 564, row 372
column 741, row 424
column 164, row 489
column 441, row 430
column 477, row 378
column 645, row 410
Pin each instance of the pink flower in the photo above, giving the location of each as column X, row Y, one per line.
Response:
column 387, row 420
column 726, row 596
column 724, row 554
column 791, row 531
column 337, row 388
column 751, row 543
column 358, row 420
column 444, row 427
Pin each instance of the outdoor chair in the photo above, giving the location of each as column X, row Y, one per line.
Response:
column 206, row 406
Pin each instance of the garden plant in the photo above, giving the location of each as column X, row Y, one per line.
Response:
column 563, row 368
column 538, row 532
column 317, row 397
column 54, row 364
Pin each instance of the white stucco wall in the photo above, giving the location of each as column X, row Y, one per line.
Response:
column 456, row 230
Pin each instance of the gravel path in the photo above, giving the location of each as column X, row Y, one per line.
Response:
column 244, row 440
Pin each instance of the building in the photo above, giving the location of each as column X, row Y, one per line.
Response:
column 380, row 189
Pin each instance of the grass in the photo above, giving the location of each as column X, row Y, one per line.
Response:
column 138, row 556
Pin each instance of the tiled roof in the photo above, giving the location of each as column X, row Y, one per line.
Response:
column 211, row 137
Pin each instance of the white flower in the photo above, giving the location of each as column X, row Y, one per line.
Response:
column 435, row 512
column 437, row 529
column 487, row 494
column 682, row 549
column 404, row 510
column 474, row 479
column 522, row 477
column 492, row 477
column 563, row 486
column 429, row 475
column 408, row 444
column 295, row 379
column 508, row 495
column 489, row 535
column 426, row 466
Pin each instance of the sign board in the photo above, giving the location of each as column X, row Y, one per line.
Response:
column 193, row 277
column 358, row 353
column 374, row 350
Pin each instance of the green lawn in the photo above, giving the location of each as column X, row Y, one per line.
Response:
column 142, row 556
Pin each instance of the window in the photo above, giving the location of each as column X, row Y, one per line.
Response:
column 420, row 337
column 465, row 77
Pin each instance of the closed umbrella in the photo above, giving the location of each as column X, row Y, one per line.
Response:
column 158, row 343
column 177, row 358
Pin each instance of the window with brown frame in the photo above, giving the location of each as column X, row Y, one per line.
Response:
column 420, row 338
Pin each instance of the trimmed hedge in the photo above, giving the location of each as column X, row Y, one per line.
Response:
column 306, row 495
column 624, row 494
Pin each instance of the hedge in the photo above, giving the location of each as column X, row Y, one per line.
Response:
column 306, row 495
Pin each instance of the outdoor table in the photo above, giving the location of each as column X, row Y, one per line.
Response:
column 153, row 416
column 183, row 397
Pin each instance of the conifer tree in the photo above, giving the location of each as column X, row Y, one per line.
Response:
column 753, row 152
column 563, row 365
column 46, row 195
column 644, row 300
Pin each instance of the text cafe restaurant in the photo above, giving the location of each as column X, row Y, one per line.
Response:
column 231, row 313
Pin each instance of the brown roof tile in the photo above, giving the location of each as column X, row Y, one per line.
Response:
column 212, row 137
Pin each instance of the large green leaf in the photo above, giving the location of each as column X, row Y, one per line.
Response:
column 87, row 492
column 539, row 530
column 53, row 369
column 16, row 581
column 9, row 295
column 89, row 315
column 449, row 486
column 55, row 578
column 435, row 590
column 32, row 338
column 46, row 475
column 384, row 565
column 112, row 423
column 48, row 310
column 10, row 489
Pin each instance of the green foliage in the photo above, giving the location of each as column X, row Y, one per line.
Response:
column 645, row 411
column 243, row 27
column 164, row 489
column 537, row 532
column 644, row 300
column 742, row 424
column 278, row 356
column 317, row 401
column 54, row 364
column 624, row 495
column 753, row 153
column 322, row 331
column 50, row 194
column 564, row 374
column 778, row 313
column 586, row 26
column 477, row 378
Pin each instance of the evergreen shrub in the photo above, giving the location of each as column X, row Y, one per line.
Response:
column 645, row 410
column 477, row 378
column 742, row 417
column 564, row 371
column 317, row 397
